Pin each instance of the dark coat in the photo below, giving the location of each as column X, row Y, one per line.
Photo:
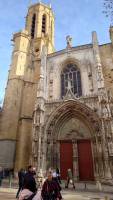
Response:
column 21, row 175
column 29, row 182
column 50, row 190
column 1, row 174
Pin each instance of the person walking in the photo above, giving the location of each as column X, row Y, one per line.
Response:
column 54, row 174
column 1, row 176
column 70, row 179
column 29, row 180
column 21, row 175
column 29, row 185
column 58, row 175
column 50, row 189
column 55, row 178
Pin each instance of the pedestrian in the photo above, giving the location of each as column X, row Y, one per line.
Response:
column 58, row 175
column 54, row 174
column 26, row 194
column 55, row 178
column 50, row 190
column 21, row 175
column 29, row 185
column 34, row 171
column 1, row 176
column 29, row 180
column 70, row 179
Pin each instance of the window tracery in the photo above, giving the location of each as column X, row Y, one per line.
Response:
column 71, row 75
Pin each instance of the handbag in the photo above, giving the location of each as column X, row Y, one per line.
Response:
column 38, row 196
column 30, row 198
column 71, row 182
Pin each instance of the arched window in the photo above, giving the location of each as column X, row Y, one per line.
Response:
column 33, row 26
column 71, row 78
column 44, row 24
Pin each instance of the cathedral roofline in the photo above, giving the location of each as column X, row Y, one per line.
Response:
column 109, row 43
column 81, row 47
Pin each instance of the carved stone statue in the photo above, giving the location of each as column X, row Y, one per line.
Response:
column 69, row 41
column 69, row 84
column 110, row 147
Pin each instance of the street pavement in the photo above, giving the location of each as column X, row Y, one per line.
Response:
column 70, row 194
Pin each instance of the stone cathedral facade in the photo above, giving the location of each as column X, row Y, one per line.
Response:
column 58, row 105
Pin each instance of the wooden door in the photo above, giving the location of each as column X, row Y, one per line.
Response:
column 85, row 160
column 66, row 158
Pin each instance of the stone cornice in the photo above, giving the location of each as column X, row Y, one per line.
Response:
column 52, row 101
column 72, row 49
column 25, row 118
column 101, row 45
column 23, row 33
column 82, row 47
column 41, row 4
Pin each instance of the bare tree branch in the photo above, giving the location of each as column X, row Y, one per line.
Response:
column 108, row 9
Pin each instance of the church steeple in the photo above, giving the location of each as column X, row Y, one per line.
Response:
column 40, row 26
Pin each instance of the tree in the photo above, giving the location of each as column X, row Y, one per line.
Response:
column 108, row 9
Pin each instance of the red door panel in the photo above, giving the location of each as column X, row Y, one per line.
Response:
column 66, row 158
column 85, row 160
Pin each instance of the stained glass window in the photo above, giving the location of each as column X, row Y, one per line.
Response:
column 71, row 75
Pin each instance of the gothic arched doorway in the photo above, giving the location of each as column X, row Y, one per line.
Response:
column 74, row 140
column 70, row 136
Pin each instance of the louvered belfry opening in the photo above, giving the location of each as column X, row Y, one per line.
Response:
column 33, row 26
column 44, row 24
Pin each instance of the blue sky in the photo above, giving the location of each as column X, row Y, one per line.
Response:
column 77, row 18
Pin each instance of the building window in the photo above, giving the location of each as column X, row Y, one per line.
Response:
column 33, row 26
column 44, row 24
column 71, row 78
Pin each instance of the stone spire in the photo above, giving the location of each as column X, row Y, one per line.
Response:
column 41, row 92
column 100, row 79
column 104, row 108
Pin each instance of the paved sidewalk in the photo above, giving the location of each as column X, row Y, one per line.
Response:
column 82, row 195
column 89, row 186
column 70, row 194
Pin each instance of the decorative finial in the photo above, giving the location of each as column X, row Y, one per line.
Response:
column 69, row 41
column 50, row 5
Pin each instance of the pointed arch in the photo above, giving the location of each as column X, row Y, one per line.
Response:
column 54, row 130
column 71, row 108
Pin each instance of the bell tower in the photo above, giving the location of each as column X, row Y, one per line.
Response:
column 24, row 74
column 39, row 32
column 40, row 27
